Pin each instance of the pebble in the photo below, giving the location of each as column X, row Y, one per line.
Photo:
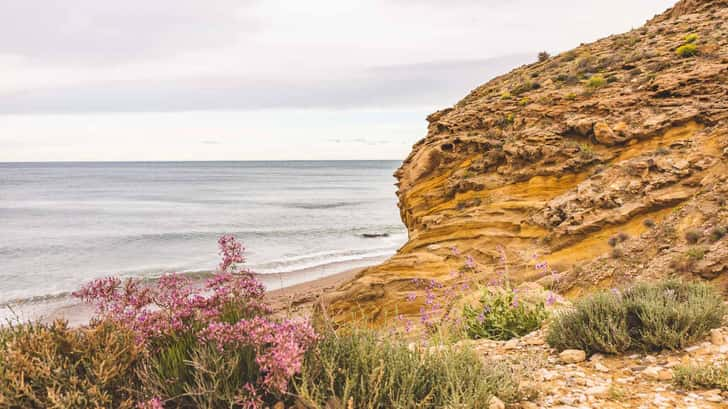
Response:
column 496, row 403
column 600, row 367
column 572, row 356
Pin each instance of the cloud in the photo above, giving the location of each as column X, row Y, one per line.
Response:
column 429, row 84
column 97, row 31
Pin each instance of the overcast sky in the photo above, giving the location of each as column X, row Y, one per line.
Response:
column 259, row 79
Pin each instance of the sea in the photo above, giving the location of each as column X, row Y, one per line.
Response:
column 63, row 224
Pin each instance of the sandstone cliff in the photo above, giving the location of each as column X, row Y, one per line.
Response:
column 621, row 139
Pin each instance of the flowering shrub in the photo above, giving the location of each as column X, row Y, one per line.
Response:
column 223, row 320
column 501, row 315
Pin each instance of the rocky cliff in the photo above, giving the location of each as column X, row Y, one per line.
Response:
column 609, row 161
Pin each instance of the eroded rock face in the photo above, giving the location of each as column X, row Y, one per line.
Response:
column 618, row 137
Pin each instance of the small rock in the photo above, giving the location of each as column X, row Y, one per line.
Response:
column 496, row 403
column 511, row 344
column 600, row 367
column 535, row 341
column 572, row 356
column 547, row 375
column 597, row 391
column 716, row 337
column 713, row 395
column 529, row 405
column 651, row 372
column 279, row 405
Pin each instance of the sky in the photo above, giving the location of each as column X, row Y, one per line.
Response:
column 263, row 79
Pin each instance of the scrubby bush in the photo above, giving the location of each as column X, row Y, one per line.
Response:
column 543, row 56
column 649, row 223
column 708, row 376
column 664, row 315
column 717, row 233
column 693, row 235
column 687, row 50
column 363, row 369
column 596, row 81
column 597, row 323
column 501, row 315
column 54, row 366
column 672, row 314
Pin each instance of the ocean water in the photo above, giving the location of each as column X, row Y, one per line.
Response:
column 62, row 224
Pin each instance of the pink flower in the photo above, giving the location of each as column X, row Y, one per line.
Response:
column 174, row 306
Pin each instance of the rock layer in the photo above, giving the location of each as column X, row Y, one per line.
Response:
column 622, row 137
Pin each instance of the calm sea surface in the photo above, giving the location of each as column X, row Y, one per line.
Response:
column 62, row 224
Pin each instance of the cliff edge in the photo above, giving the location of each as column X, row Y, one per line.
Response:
column 609, row 161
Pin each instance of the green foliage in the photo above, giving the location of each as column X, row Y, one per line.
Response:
column 596, row 81
column 506, row 95
column 695, row 253
column 691, row 38
column 718, row 233
column 687, row 50
column 54, row 366
column 500, row 315
column 204, row 376
column 665, row 315
column 672, row 314
column 707, row 376
column 361, row 369
column 597, row 323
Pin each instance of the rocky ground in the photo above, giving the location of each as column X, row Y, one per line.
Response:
column 570, row 379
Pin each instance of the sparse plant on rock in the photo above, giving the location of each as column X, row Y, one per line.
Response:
column 596, row 81
column 693, row 235
column 702, row 376
column 687, row 50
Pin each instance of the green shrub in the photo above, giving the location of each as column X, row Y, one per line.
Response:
column 596, row 81
column 691, row 38
column 718, row 233
column 362, row 369
column 664, row 315
column 687, row 50
column 695, row 253
column 54, row 366
column 204, row 376
column 543, row 56
column 500, row 315
column 672, row 314
column 708, row 376
column 692, row 236
column 597, row 323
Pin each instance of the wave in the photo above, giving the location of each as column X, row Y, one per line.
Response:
column 315, row 206
column 286, row 265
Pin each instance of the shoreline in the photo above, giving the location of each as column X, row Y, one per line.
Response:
column 298, row 296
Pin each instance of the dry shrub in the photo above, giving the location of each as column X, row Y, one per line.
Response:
column 54, row 366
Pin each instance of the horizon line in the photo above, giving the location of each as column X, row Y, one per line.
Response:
column 201, row 161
